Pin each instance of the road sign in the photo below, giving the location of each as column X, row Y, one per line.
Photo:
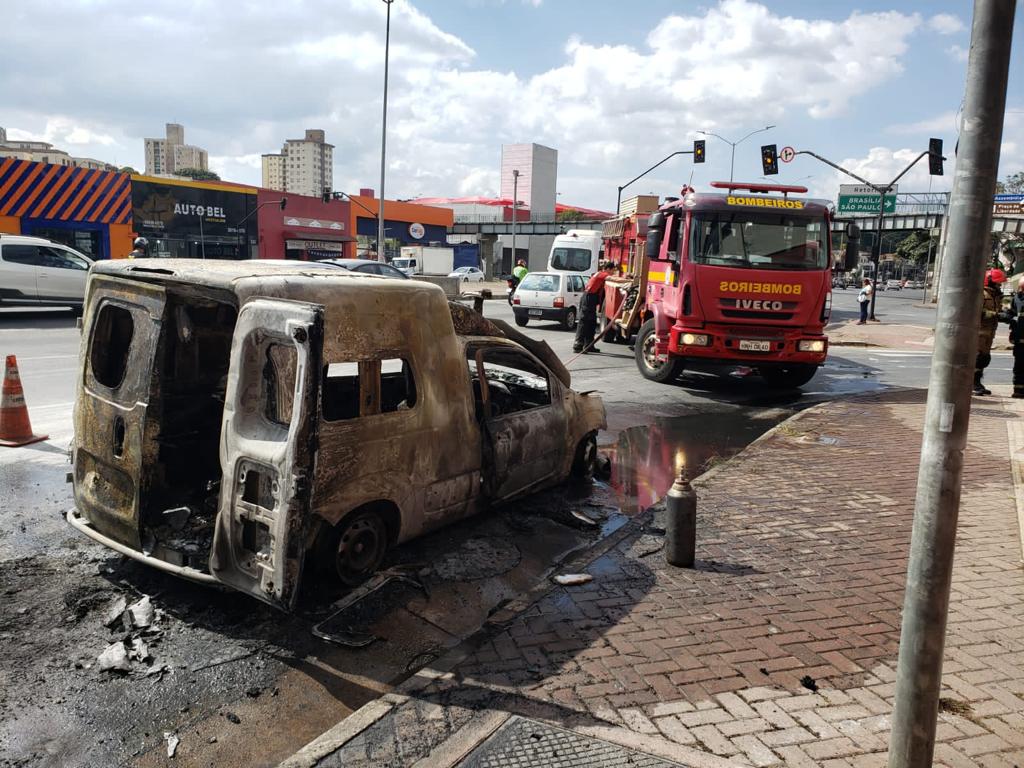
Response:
column 1015, row 208
column 787, row 154
column 1009, row 198
column 860, row 198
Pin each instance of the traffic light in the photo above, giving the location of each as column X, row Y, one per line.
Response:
column 935, row 157
column 769, row 160
column 698, row 151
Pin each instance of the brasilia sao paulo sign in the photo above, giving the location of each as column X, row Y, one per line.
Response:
column 860, row 198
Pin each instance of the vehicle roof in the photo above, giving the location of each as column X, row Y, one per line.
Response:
column 348, row 262
column 553, row 273
column 244, row 276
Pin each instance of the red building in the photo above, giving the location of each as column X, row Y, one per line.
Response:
column 306, row 228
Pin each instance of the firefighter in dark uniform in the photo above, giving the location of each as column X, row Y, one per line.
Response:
column 591, row 300
column 1017, row 338
column 991, row 311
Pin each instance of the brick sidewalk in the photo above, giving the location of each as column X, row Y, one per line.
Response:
column 802, row 552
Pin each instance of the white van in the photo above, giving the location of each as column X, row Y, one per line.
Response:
column 578, row 250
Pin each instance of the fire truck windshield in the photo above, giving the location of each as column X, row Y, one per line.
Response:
column 571, row 259
column 758, row 240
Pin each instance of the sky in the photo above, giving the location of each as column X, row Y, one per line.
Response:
column 614, row 87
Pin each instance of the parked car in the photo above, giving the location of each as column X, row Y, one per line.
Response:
column 233, row 419
column 367, row 267
column 38, row 272
column 468, row 274
column 548, row 296
column 893, row 285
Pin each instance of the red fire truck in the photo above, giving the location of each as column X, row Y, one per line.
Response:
column 740, row 277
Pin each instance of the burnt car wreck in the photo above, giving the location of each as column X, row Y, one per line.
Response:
column 235, row 420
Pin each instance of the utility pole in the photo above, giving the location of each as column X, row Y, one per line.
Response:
column 926, row 601
column 383, row 137
column 515, row 202
column 734, row 144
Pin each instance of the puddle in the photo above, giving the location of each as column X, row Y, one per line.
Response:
column 647, row 459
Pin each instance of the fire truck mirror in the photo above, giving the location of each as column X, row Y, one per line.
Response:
column 852, row 255
column 655, row 233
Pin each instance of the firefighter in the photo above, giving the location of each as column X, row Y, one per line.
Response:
column 991, row 309
column 591, row 300
column 1016, row 317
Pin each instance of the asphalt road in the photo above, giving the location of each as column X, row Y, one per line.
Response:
column 247, row 685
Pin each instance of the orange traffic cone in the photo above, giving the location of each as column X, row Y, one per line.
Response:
column 15, row 428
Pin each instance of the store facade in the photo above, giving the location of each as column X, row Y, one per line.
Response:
column 195, row 219
column 404, row 224
column 305, row 228
column 87, row 209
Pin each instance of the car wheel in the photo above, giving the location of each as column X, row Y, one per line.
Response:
column 522, row 320
column 465, row 279
column 788, row 377
column 569, row 321
column 585, row 458
column 662, row 370
column 360, row 543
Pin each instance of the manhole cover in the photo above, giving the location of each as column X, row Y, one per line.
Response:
column 477, row 559
column 526, row 743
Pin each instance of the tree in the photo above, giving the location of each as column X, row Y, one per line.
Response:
column 1014, row 184
column 127, row 169
column 569, row 214
column 198, row 174
column 916, row 246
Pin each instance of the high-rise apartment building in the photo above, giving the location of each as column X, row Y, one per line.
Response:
column 164, row 157
column 304, row 166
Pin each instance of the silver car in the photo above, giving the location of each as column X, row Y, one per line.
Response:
column 37, row 272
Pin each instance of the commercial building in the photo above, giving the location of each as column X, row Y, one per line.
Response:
column 87, row 209
column 195, row 219
column 404, row 224
column 535, row 189
column 167, row 156
column 44, row 152
column 305, row 228
column 304, row 166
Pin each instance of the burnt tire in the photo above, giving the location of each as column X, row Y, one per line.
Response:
column 569, row 321
column 358, row 545
column 522, row 320
column 585, row 459
column 789, row 376
column 662, row 371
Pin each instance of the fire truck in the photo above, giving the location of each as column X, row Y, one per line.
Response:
column 740, row 276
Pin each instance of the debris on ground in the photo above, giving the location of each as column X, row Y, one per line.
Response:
column 139, row 651
column 141, row 612
column 573, row 579
column 114, row 658
column 956, row 707
column 115, row 612
column 172, row 743
column 583, row 518
column 808, row 682
column 231, row 717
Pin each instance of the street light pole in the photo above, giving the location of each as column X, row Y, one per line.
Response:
column 515, row 202
column 618, row 200
column 734, row 144
column 937, row 506
column 383, row 137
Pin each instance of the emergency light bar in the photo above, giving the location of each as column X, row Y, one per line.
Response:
column 749, row 187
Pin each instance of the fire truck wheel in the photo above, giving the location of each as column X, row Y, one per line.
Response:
column 569, row 321
column 662, row 370
column 790, row 376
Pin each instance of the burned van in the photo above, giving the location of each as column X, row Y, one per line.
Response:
column 235, row 419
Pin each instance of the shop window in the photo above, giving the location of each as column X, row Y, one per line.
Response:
column 111, row 343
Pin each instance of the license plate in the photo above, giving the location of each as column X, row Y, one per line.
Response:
column 534, row 313
column 749, row 345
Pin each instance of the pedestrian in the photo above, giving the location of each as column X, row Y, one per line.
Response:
column 864, row 299
column 140, row 248
column 1017, row 338
column 592, row 296
column 991, row 309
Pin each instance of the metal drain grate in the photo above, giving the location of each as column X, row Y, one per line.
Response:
column 522, row 743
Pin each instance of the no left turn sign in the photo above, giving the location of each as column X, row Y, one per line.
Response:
column 787, row 154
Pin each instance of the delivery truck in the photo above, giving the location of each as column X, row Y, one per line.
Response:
column 425, row 260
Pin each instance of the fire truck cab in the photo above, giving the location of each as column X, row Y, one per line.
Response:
column 738, row 277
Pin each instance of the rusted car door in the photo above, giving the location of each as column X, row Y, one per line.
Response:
column 112, row 446
column 267, row 448
column 524, row 423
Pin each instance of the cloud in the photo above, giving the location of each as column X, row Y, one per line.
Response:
column 242, row 82
column 946, row 24
column 958, row 52
column 946, row 123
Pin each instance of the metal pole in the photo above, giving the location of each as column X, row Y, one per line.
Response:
column 926, row 602
column 878, row 255
column 383, row 137
column 515, row 201
column 732, row 160
column 618, row 201
column 202, row 240
column 927, row 263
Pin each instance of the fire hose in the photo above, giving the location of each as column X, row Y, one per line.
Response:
column 610, row 324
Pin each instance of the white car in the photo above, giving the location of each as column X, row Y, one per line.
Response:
column 549, row 296
column 37, row 272
column 468, row 274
